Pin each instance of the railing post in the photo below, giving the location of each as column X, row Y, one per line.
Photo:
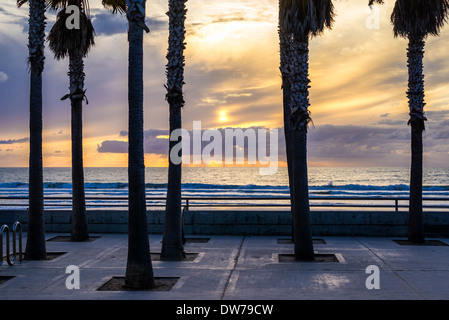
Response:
column 396, row 205
column 16, row 226
column 5, row 228
column 183, row 235
column 1, row 243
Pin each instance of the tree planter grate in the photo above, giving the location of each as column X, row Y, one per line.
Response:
column 425, row 243
column 68, row 239
column 156, row 256
column 319, row 257
column 118, row 284
column 5, row 278
column 197, row 240
column 289, row 241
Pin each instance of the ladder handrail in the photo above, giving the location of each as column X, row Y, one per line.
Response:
column 17, row 225
column 5, row 228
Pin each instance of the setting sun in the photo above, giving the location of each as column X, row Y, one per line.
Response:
column 223, row 117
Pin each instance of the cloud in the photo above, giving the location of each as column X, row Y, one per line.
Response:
column 109, row 24
column 366, row 144
column 12, row 141
column 113, row 146
column 60, row 132
column 389, row 122
column 154, row 142
column 3, row 77
column 157, row 24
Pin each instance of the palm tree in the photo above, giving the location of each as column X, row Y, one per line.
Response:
column 172, row 243
column 139, row 270
column 300, row 20
column 35, row 245
column 75, row 44
column 415, row 20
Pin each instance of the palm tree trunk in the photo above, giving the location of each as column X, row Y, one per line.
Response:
column 139, row 271
column 286, row 86
column 301, row 212
column 79, row 219
column 35, row 246
column 416, row 103
column 288, row 143
column 172, row 243
column 299, row 102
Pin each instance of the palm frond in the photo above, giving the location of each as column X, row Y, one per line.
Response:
column 56, row 5
column 305, row 18
column 116, row 6
column 21, row 2
column 63, row 41
column 419, row 17
column 371, row 2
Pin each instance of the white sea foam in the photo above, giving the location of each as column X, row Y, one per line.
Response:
column 228, row 182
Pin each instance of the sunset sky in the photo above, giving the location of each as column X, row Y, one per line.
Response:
column 358, row 83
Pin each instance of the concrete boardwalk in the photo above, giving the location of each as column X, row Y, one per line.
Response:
column 238, row 268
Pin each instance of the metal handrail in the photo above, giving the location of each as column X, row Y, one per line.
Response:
column 4, row 228
column 188, row 201
column 17, row 225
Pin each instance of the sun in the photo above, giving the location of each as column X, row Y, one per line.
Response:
column 223, row 116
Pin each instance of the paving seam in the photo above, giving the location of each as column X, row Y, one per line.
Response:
column 236, row 259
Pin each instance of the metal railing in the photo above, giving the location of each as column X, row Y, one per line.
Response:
column 393, row 202
column 4, row 228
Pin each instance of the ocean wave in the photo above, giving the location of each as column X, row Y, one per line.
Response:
column 240, row 188
column 363, row 187
column 13, row 185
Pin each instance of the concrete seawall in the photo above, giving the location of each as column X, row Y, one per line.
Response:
column 246, row 222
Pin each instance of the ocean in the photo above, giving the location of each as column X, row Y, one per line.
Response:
column 215, row 182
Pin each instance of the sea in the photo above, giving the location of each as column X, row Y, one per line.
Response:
column 207, row 186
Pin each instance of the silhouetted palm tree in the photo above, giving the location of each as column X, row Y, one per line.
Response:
column 139, row 270
column 172, row 243
column 415, row 20
column 35, row 245
column 300, row 20
column 75, row 44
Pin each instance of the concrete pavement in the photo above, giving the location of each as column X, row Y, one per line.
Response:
column 238, row 268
